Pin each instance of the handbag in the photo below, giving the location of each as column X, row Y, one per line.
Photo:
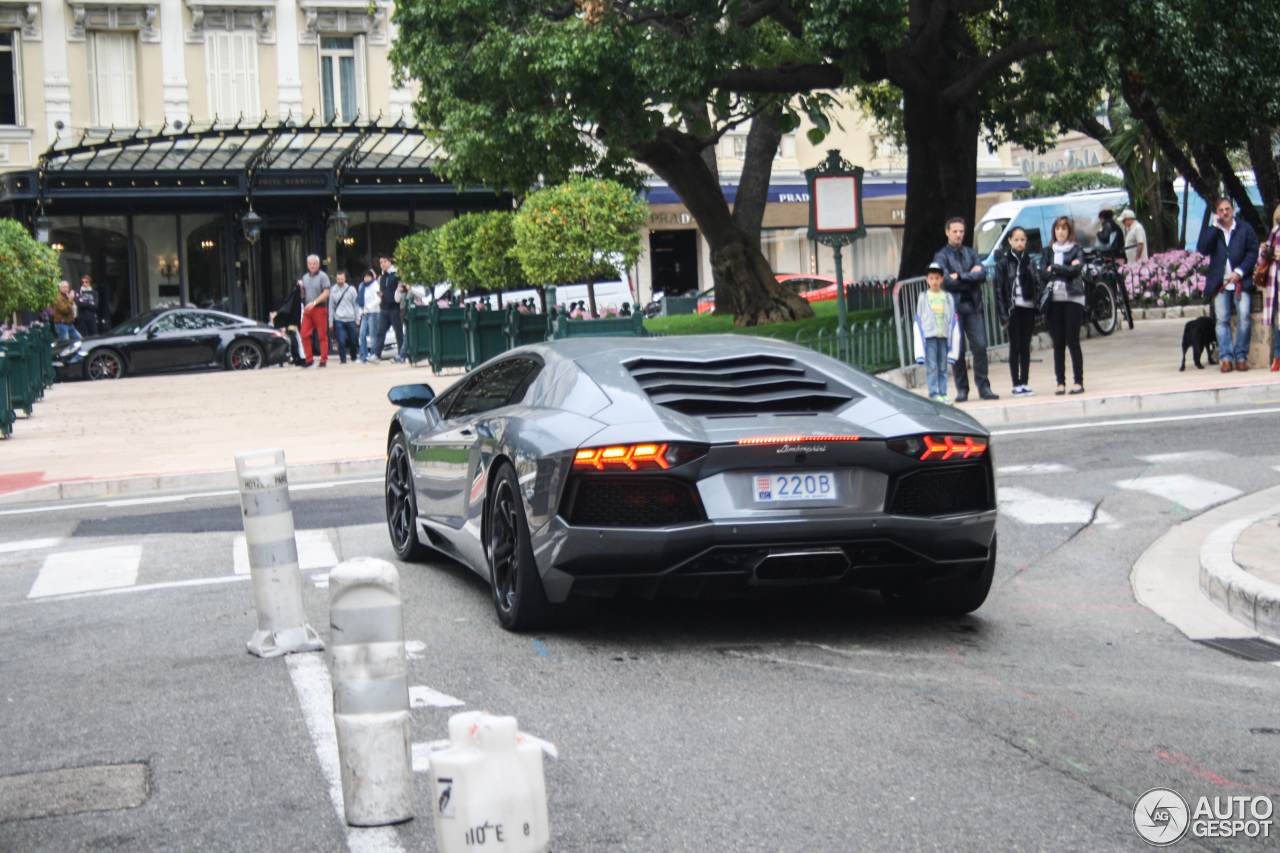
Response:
column 1263, row 269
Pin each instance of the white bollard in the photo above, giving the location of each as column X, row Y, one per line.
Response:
column 371, row 692
column 273, row 557
column 488, row 789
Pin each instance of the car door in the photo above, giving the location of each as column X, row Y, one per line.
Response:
column 446, row 457
column 166, row 343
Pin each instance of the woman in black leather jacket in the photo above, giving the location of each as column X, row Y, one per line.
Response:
column 1017, row 286
column 1060, row 269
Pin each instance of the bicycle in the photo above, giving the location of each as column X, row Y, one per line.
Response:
column 1104, row 289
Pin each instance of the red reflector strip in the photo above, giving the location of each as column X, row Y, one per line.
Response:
column 630, row 456
column 948, row 447
column 790, row 439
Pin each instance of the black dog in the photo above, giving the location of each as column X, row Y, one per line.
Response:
column 1198, row 336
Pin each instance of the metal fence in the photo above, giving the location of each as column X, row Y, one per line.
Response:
column 905, row 295
column 867, row 346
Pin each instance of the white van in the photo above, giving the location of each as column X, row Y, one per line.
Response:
column 1036, row 217
column 609, row 294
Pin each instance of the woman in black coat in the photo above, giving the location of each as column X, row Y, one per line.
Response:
column 1017, row 286
column 288, row 317
column 1060, row 269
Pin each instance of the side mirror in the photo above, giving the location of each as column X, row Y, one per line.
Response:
column 411, row 396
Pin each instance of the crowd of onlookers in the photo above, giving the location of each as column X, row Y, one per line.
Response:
column 949, row 314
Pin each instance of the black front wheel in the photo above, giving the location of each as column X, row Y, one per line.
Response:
column 951, row 597
column 518, row 596
column 1103, row 309
column 402, row 505
column 104, row 365
column 245, row 355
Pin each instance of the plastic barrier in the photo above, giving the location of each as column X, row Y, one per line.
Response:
column 448, row 339
column 485, row 336
column 488, row 789
column 521, row 329
column 371, row 692
column 273, row 557
column 417, row 334
column 632, row 326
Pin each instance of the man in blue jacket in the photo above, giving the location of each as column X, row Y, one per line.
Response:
column 1231, row 245
column 964, row 275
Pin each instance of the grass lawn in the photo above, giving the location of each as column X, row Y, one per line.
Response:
column 710, row 324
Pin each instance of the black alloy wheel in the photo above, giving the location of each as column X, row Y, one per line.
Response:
column 104, row 364
column 951, row 597
column 244, row 355
column 518, row 596
column 402, row 505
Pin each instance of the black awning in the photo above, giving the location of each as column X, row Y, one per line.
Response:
column 271, row 158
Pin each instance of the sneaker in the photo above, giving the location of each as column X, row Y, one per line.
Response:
column 1027, row 392
column 324, row 364
column 943, row 398
column 1017, row 391
column 373, row 359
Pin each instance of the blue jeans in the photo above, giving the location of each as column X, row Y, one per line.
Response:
column 368, row 332
column 935, row 365
column 345, row 331
column 67, row 331
column 1223, row 304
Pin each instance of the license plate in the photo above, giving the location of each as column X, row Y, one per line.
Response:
column 809, row 486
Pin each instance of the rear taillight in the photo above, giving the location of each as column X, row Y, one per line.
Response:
column 636, row 457
column 937, row 448
column 795, row 439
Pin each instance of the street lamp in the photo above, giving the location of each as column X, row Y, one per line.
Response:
column 835, row 219
column 340, row 222
column 252, row 224
column 43, row 228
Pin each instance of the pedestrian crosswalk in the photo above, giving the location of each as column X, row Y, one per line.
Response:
column 67, row 572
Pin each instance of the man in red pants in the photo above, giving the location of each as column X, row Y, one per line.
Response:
column 315, row 311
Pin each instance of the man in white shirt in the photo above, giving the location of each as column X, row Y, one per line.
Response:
column 1135, row 237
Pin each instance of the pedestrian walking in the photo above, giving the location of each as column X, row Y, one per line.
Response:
column 1231, row 245
column 964, row 276
column 1017, row 291
column 315, row 311
column 288, row 318
column 1061, row 270
column 343, row 316
column 87, row 308
column 1269, row 253
column 1135, row 237
column 937, row 333
column 392, row 289
column 64, row 313
column 369, row 302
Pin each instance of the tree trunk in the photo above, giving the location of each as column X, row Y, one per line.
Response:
column 743, row 278
column 591, row 297
column 1263, row 160
column 757, row 169
column 542, row 298
column 942, row 173
column 1235, row 188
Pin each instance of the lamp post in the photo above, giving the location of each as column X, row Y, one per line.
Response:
column 251, row 222
column 835, row 219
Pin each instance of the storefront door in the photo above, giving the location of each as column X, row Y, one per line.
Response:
column 284, row 260
column 674, row 261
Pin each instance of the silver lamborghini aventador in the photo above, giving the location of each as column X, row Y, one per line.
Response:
column 691, row 466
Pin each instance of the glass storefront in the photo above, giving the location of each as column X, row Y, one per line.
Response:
column 874, row 257
column 788, row 250
column 204, row 267
column 159, row 265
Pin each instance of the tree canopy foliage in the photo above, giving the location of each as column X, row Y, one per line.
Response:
column 582, row 230
column 29, row 271
column 1051, row 185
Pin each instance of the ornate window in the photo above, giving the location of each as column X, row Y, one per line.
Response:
column 255, row 15
column 113, row 78
column 342, row 75
column 20, row 15
column 122, row 15
column 343, row 17
column 231, row 63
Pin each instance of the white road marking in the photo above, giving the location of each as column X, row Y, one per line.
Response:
column 92, row 569
column 1034, row 508
column 425, row 697
column 320, row 581
column 315, row 551
column 28, row 545
column 415, row 649
column 305, row 487
column 315, row 696
column 1134, row 421
column 1035, row 468
column 1187, row 456
column 1183, row 489
column 150, row 587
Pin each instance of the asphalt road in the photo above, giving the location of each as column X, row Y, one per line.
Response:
column 817, row 724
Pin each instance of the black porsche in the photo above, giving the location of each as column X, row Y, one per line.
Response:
column 172, row 339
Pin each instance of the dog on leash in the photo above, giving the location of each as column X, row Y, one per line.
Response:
column 1199, row 337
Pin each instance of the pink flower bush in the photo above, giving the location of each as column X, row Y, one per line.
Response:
column 1169, row 278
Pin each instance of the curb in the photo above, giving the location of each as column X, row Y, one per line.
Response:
column 121, row 486
column 1125, row 404
column 1170, row 576
column 1247, row 597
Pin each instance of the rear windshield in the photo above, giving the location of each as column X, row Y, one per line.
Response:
column 988, row 234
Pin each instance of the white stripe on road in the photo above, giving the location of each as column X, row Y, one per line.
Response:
column 305, row 487
column 315, row 551
column 1134, row 421
column 425, row 697
column 1190, row 492
column 83, row 571
column 315, row 696
column 150, row 587
column 28, row 545
column 1034, row 508
column 1034, row 469
column 1187, row 456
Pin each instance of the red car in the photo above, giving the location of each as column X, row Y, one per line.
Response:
column 814, row 288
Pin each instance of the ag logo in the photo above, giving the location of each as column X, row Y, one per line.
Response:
column 1161, row 817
